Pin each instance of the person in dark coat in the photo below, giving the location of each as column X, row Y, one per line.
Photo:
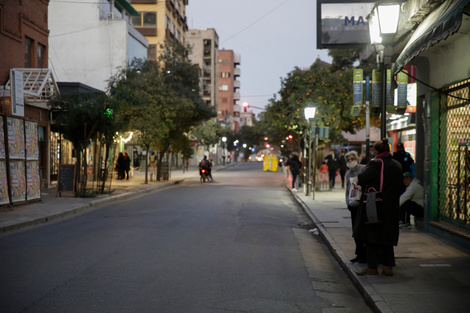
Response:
column 120, row 166
column 332, row 163
column 295, row 166
column 342, row 167
column 380, row 237
column 127, row 166
column 404, row 158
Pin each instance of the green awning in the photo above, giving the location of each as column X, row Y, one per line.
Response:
column 128, row 7
column 438, row 25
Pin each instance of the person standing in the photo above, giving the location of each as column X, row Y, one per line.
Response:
column 404, row 158
column 342, row 167
column 295, row 166
column 120, row 166
column 287, row 166
column 332, row 163
column 127, row 165
column 380, row 237
column 352, row 162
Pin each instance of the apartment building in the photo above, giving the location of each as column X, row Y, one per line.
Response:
column 205, row 52
column 90, row 40
column 229, row 85
column 160, row 20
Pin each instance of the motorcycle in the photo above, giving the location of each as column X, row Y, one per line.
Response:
column 204, row 175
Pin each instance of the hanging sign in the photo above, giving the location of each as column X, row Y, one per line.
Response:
column 376, row 89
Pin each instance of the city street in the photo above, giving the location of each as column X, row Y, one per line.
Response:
column 237, row 244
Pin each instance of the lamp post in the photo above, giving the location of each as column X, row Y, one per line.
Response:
column 224, row 140
column 383, row 26
column 309, row 113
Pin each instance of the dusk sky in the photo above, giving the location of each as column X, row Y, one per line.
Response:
column 271, row 36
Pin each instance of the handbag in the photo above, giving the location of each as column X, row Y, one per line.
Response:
column 355, row 192
column 374, row 202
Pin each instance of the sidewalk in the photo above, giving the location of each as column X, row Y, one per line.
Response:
column 52, row 207
column 432, row 274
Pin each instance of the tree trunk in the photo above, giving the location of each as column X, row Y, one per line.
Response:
column 147, row 146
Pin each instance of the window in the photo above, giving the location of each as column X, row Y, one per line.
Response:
column 41, row 56
column 145, row 19
column 223, row 87
column 225, row 74
column 137, row 20
column 28, row 52
column 150, row 19
column 152, row 53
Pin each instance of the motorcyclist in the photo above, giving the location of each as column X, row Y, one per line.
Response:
column 204, row 165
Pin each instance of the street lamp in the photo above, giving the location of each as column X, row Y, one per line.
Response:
column 309, row 113
column 383, row 26
column 224, row 140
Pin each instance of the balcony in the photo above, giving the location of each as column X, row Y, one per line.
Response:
column 236, row 96
column 236, row 58
column 236, row 84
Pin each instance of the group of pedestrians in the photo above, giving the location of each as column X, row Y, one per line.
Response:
column 123, row 165
column 389, row 179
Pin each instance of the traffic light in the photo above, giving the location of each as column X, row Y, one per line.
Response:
column 245, row 105
column 290, row 137
column 108, row 112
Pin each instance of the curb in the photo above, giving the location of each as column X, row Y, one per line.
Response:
column 372, row 298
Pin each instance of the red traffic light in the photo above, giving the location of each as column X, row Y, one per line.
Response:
column 245, row 105
column 290, row 137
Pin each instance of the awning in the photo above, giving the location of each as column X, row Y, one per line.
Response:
column 128, row 7
column 440, row 24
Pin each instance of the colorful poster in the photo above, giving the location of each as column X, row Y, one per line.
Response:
column 2, row 140
column 15, row 138
column 32, row 148
column 17, row 181
column 3, row 183
column 34, row 182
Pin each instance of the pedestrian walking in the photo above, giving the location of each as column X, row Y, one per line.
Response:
column 120, row 166
column 295, row 171
column 382, row 174
column 332, row 163
column 353, row 194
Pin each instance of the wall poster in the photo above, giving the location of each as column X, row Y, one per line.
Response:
column 33, row 181
column 17, row 181
column 32, row 147
column 3, row 183
column 15, row 138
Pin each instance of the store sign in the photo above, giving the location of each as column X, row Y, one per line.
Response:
column 342, row 24
column 17, row 93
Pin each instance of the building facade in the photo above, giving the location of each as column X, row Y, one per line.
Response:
column 205, row 52
column 90, row 41
column 160, row 20
column 433, row 37
column 26, row 84
column 228, row 112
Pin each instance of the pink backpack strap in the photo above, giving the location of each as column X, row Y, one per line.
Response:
column 381, row 175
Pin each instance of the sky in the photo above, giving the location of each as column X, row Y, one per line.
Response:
column 271, row 36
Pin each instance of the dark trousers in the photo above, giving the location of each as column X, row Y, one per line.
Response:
column 294, row 178
column 343, row 174
column 410, row 208
column 380, row 254
column 361, row 249
column 332, row 175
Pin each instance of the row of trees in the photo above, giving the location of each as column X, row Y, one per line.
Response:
column 159, row 101
column 328, row 87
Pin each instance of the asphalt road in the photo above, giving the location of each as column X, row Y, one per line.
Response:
column 238, row 244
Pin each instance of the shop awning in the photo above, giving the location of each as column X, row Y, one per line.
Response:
column 440, row 24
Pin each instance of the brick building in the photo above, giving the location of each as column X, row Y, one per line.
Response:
column 24, row 162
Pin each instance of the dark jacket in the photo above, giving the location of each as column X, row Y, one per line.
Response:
column 405, row 160
column 385, row 233
column 332, row 163
column 342, row 164
column 295, row 165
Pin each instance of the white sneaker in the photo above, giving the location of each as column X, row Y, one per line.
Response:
column 295, row 189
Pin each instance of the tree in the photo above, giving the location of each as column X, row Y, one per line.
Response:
column 81, row 118
column 161, row 100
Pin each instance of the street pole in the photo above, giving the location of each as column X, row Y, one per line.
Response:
column 367, row 119
column 383, row 115
column 307, row 183
column 315, row 164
